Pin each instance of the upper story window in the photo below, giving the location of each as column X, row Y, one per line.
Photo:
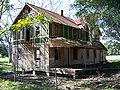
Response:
column 80, row 34
column 37, row 31
column 87, row 36
column 55, row 30
column 27, row 34
column 50, row 29
column 74, row 34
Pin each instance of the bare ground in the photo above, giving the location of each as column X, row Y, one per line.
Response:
column 99, row 82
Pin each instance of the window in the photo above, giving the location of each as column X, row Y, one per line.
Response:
column 57, row 53
column 75, row 53
column 95, row 53
column 56, row 30
column 19, row 50
column 87, row 36
column 14, row 35
column 81, row 53
column 37, row 30
column 18, row 35
column 37, row 54
column 70, row 32
column 80, row 34
column 87, row 53
column 27, row 35
column 23, row 34
column 50, row 29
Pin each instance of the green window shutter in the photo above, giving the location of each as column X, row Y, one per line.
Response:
column 70, row 32
column 14, row 35
column 37, row 40
column 80, row 35
column 31, row 32
column 66, row 31
column 61, row 30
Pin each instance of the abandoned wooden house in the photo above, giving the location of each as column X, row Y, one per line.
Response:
column 65, row 43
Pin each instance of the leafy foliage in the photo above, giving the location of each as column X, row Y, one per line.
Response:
column 4, row 6
column 28, row 21
column 104, row 14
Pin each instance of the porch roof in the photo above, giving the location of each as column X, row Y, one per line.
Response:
column 62, row 42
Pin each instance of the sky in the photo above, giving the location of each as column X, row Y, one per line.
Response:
column 57, row 6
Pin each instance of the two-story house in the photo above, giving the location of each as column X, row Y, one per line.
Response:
column 64, row 43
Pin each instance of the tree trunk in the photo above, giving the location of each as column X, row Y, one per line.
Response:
column 10, row 52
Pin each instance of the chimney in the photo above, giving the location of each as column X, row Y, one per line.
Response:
column 61, row 12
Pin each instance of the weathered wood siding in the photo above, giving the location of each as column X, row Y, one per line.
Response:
column 67, row 57
column 56, row 63
column 26, row 58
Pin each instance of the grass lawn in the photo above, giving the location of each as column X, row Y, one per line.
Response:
column 9, row 85
column 5, row 66
column 113, row 58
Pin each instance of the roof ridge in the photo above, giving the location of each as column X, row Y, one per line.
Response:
column 43, row 8
column 70, row 19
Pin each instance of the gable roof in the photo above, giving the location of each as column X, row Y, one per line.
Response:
column 55, row 17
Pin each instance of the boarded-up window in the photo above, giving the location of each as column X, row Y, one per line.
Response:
column 87, row 53
column 75, row 53
column 37, row 54
column 57, row 53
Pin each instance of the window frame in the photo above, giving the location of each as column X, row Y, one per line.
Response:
column 36, row 58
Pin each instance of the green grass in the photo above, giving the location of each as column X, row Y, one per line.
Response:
column 9, row 85
column 5, row 66
column 113, row 58
column 6, row 59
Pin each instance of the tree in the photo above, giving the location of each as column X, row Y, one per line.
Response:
column 104, row 14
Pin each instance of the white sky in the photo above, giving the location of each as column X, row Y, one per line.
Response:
column 59, row 5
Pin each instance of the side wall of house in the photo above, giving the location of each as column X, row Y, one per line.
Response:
column 67, row 59
column 23, row 58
